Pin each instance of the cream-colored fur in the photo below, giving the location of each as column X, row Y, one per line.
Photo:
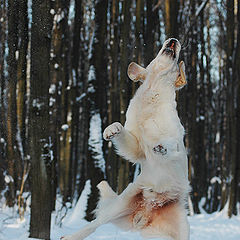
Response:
column 152, row 136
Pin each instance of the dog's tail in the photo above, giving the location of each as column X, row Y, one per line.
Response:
column 107, row 195
column 105, row 190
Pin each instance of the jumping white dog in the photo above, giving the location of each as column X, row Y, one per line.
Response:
column 155, row 203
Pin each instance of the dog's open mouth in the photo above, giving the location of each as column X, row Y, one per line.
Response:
column 170, row 49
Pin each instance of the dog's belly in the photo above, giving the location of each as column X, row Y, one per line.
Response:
column 155, row 216
column 163, row 180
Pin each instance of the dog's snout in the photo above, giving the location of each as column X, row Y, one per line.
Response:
column 171, row 48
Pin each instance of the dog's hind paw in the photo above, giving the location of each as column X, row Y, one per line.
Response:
column 159, row 149
column 112, row 130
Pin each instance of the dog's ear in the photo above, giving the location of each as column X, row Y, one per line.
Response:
column 181, row 79
column 136, row 72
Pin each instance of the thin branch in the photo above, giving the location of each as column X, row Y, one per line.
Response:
column 157, row 5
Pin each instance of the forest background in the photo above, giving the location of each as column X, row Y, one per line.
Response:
column 63, row 80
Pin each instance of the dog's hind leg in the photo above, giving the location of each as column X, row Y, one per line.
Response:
column 112, row 207
column 184, row 228
column 84, row 232
column 92, row 226
column 112, row 213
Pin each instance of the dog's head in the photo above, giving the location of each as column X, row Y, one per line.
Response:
column 166, row 61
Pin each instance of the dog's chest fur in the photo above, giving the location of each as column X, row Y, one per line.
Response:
column 152, row 113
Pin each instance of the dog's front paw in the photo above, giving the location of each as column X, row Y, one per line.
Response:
column 112, row 130
column 159, row 149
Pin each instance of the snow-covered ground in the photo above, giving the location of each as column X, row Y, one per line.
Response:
column 215, row 226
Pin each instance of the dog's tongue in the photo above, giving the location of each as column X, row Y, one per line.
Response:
column 172, row 46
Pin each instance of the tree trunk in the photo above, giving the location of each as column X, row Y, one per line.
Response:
column 237, row 69
column 40, row 152
column 13, row 157
column 59, row 102
column 3, row 135
column 171, row 18
column 97, row 103
column 191, row 127
column 77, row 83
column 22, row 74
column 152, row 27
column 232, row 68
column 139, row 33
column 113, row 112
column 123, row 172
column 201, row 141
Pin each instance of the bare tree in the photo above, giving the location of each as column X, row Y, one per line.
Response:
column 113, row 99
column 40, row 141
column 97, row 81
column 12, row 146
column 123, row 167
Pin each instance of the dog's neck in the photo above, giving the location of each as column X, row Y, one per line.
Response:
column 162, row 82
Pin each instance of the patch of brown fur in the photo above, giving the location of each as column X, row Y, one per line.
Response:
column 140, row 77
column 159, row 217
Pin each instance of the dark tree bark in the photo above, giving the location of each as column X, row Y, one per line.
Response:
column 195, row 177
column 13, row 157
column 59, row 99
column 22, row 74
column 3, row 27
column 113, row 100
column 233, row 84
column 152, row 27
column 76, row 91
column 230, row 114
column 84, row 104
column 171, row 18
column 41, row 196
column 139, row 32
column 201, row 141
column 21, row 100
column 97, row 98
column 222, row 99
column 237, row 69
column 124, row 166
